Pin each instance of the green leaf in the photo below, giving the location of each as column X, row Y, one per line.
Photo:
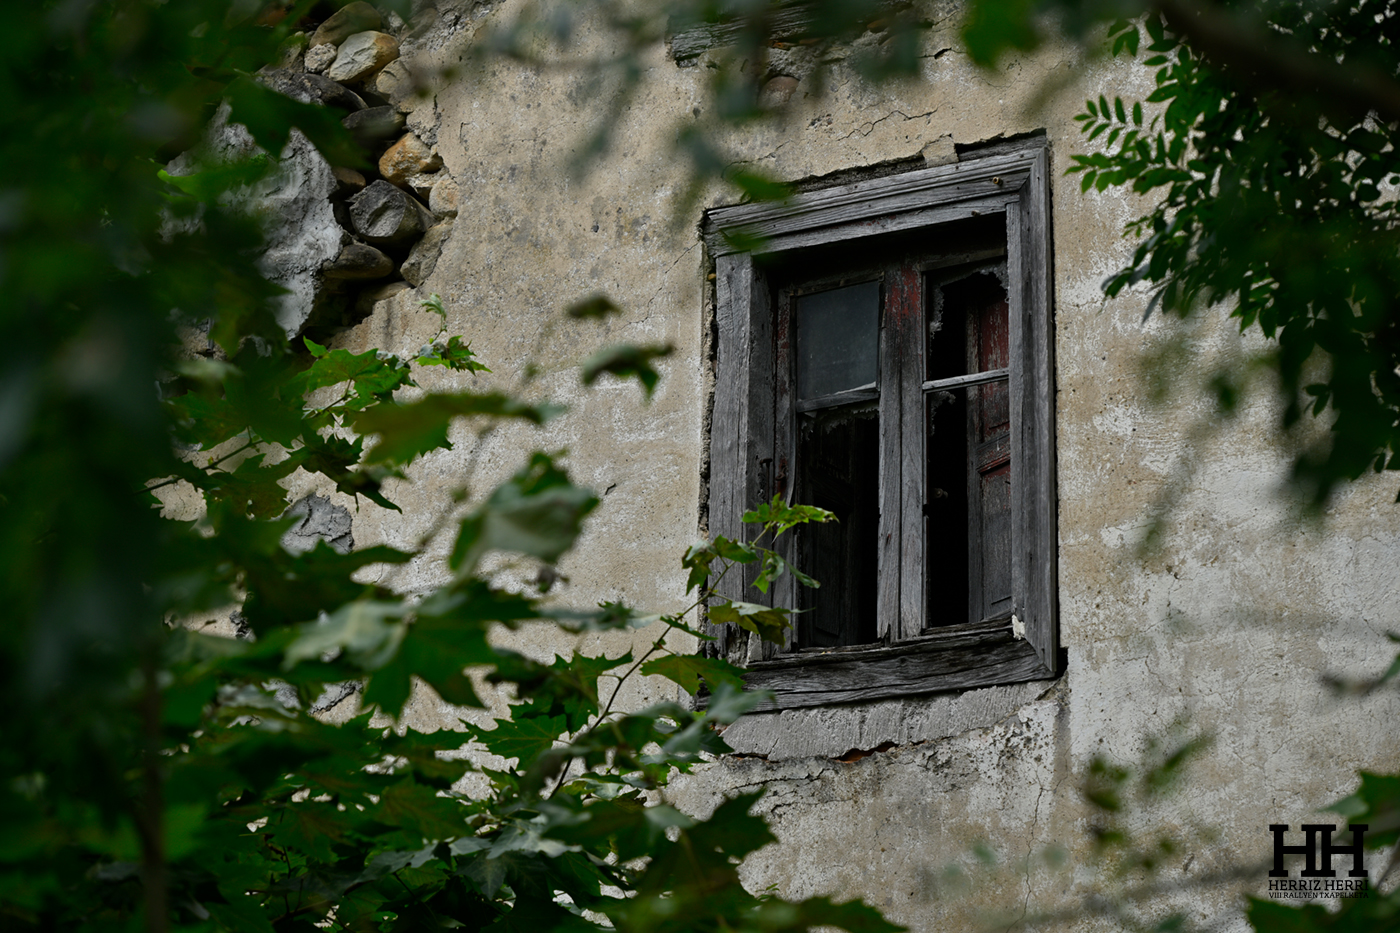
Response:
column 421, row 811
column 994, row 28
column 1273, row 917
column 1375, row 803
column 433, row 303
column 757, row 186
column 455, row 355
column 438, row 650
column 215, row 181
column 524, row 739
column 767, row 623
column 535, row 916
column 688, row 670
column 371, row 373
column 568, row 687
column 697, row 559
column 774, row 567
column 358, row 628
column 595, row 307
column 406, row 431
column 728, row 702
column 206, row 422
column 783, row 517
column 537, row 512
column 386, row 863
column 624, row 360
column 633, row 828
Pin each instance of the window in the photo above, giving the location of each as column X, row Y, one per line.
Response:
column 885, row 352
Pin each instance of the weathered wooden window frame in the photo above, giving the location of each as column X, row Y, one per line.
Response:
column 1013, row 182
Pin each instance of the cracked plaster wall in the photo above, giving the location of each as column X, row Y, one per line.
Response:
column 1227, row 625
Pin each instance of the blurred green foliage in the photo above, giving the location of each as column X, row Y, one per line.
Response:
column 155, row 777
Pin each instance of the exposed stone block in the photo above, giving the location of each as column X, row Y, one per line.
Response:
column 442, row 200
column 358, row 261
column 347, row 180
column 383, row 213
column 422, row 184
column 397, row 84
column 361, row 55
column 319, row 57
column 424, row 256
column 345, row 22
column 409, row 156
column 312, row 89
column 374, row 124
column 368, row 298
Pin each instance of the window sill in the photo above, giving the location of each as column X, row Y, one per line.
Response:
column 957, row 657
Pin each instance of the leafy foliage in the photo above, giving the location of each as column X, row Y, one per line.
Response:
column 1268, row 150
column 1272, row 187
column 154, row 775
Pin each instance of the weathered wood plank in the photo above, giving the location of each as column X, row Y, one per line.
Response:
column 1023, row 438
column 964, row 382
column 1042, row 626
column 941, row 184
column 908, row 669
column 757, row 439
column 887, row 601
column 741, row 438
column 962, row 635
column 848, row 397
column 728, row 476
column 888, row 223
column 996, row 180
column 905, row 308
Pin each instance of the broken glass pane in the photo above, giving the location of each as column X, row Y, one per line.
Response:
column 838, row 338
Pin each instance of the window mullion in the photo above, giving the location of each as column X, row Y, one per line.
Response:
column 785, row 453
column 905, row 306
column 887, row 598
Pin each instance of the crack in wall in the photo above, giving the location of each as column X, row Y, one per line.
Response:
column 662, row 287
column 874, row 123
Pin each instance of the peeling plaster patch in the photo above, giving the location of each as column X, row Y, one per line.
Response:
column 321, row 520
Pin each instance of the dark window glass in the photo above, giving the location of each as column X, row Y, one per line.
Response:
column 839, row 454
column 838, row 335
column 969, row 447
